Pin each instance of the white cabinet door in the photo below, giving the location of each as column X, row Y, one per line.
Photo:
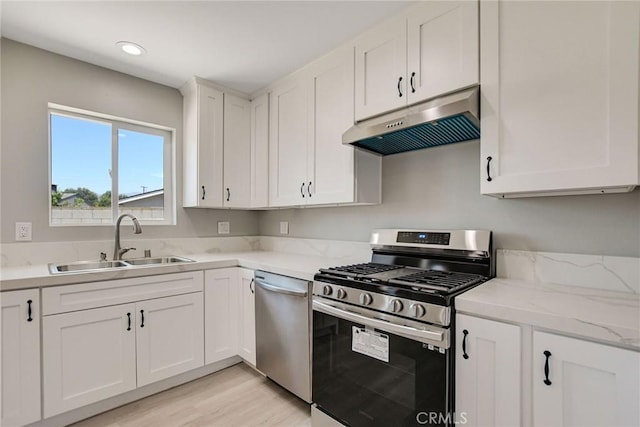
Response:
column 20, row 357
column 247, row 348
column 170, row 336
column 559, row 97
column 288, row 143
column 88, row 356
column 488, row 374
column 202, row 146
column 442, row 48
column 260, row 151
column 237, row 152
column 380, row 69
column 579, row 383
column 331, row 174
column 221, row 313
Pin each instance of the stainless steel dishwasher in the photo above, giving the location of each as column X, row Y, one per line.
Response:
column 283, row 331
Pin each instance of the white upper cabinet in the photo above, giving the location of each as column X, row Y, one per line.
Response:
column 442, row 48
column 260, row 151
column 237, row 152
column 309, row 165
column 559, row 97
column 288, row 142
column 20, row 352
column 580, row 383
column 381, row 69
column 202, row 146
column 217, row 158
column 429, row 50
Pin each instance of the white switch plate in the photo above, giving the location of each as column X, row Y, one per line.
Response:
column 223, row 227
column 284, row 227
column 23, row 231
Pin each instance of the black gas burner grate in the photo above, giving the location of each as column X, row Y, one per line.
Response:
column 361, row 269
column 433, row 279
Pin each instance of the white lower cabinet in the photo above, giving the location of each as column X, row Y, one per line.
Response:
column 516, row 375
column 20, row 357
column 169, row 337
column 247, row 345
column 88, row 356
column 230, row 328
column 488, row 372
column 580, row 383
column 93, row 352
column 221, row 304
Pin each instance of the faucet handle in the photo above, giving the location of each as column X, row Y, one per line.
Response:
column 103, row 256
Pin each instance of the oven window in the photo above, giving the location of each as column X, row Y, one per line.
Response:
column 360, row 390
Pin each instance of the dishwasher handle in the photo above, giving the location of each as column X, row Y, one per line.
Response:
column 277, row 289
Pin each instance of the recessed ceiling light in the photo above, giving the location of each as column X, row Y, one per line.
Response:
column 131, row 48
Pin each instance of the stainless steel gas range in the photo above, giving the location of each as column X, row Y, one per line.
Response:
column 382, row 331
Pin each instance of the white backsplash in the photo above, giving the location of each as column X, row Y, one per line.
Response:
column 620, row 274
column 23, row 254
column 357, row 251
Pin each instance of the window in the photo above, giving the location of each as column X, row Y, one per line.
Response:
column 94, row 157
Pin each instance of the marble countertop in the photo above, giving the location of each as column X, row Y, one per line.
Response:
column 295, row 265
column 601, row 315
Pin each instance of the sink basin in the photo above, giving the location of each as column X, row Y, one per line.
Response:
column 85, row 266
column 157, row 260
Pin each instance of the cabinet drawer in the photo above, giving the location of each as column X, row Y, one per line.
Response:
column 62, row 299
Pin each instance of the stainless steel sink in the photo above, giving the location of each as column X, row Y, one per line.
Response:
column 85, row 266
column 157, row 260
column 89, row 266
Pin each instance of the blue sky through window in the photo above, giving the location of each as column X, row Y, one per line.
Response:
column 81, row 157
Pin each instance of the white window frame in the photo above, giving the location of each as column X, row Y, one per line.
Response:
column 117, row 123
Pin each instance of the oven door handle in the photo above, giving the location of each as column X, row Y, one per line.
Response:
column 404, row 331
column 277, row 289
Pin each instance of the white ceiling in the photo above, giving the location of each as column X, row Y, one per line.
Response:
column 243, row 45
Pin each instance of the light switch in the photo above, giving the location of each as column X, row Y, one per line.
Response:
column 284, row 227
column 223, row 227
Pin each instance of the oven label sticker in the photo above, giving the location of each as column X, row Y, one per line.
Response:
column 369, row 343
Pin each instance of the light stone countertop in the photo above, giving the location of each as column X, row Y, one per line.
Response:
column 601, row 315
column 295, row 265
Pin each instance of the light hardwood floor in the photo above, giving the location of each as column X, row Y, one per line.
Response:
column 234, row 397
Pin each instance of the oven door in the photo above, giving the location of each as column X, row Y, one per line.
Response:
column 368, row 371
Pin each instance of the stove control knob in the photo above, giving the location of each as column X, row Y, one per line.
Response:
column 366, row 299
column 341, row 294
column 396, row 306
column 326, row 290
column 417, row 310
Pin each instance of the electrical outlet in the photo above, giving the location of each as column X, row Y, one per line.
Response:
column 23, row 231
column 284, row 227
column 223, row 227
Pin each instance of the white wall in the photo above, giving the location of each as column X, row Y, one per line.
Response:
column 440, row 188
column 30, row 78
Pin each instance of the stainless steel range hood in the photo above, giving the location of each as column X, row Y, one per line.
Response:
column 444, row 120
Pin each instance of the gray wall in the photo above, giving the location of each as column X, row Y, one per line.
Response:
column 440, row 188
column 33, row 77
